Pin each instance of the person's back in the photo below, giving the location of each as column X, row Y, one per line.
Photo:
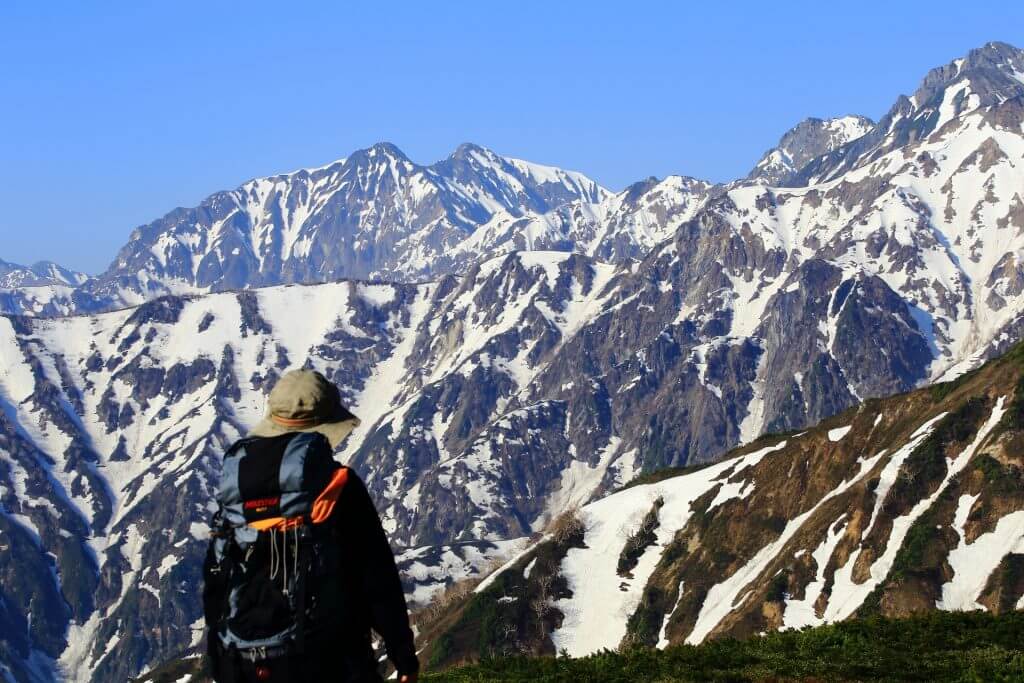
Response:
column 299, row 568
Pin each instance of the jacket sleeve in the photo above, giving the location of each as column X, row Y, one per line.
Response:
column 381, row 584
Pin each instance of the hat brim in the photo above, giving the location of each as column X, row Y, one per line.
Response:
column 334, row 431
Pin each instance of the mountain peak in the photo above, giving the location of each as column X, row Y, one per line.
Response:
column 467, row 148
column 985, row 77
column 805, row 141
column 639, row 188
column 995, row 53
column 387, row 150
column 38, row 274
column 994, row 72
column 475, row 155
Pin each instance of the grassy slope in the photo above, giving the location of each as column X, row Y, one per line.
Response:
column 937, row 646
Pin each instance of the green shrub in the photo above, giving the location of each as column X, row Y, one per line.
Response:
column 640, row 539
column 779, row 587
column 1014, row 416
column 972, row 646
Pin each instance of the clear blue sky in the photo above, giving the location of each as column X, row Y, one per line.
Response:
column 115, row 112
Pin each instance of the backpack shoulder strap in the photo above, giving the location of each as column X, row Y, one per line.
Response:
column 234, row 448
column 323, row 506
column 311, row 469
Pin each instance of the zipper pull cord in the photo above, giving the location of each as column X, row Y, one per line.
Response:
column 273, row 554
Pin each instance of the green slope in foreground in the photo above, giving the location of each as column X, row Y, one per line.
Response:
column 937, row 646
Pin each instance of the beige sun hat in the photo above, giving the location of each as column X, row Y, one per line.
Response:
column 306, row 401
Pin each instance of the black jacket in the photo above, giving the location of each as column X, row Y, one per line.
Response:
column 371, row 598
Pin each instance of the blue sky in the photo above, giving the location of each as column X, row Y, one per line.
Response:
column 114, row 113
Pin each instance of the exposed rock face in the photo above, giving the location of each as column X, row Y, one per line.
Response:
column 898, row 506
column 807, row 140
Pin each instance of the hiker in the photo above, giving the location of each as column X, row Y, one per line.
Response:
column 299, row 568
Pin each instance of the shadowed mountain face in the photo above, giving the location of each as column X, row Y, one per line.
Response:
column 672, row 322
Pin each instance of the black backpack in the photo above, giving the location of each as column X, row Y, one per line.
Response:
column 272, row 571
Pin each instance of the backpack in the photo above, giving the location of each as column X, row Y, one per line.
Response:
column 274, row 560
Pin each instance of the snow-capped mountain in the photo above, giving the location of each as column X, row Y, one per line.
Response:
column 624, row 226
column 377, row 215
column 923, row 241
column 37, row 275
column 483, row 419
column 807, row 140
column 986, row 83
column 44, row 288
column 113, row 426
column 896, row 507
column 373, row 215
column 494, row 398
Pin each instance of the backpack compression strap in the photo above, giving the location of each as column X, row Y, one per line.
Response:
column 322, row 508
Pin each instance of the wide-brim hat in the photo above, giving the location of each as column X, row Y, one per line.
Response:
column 306, row 401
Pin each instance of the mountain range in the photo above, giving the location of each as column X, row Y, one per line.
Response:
column 41, row 287
column 518, row 341
column 377, row 215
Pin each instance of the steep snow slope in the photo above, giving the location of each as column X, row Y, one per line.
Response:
column 902, row 505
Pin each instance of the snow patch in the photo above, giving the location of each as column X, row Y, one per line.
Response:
column 837, row 434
